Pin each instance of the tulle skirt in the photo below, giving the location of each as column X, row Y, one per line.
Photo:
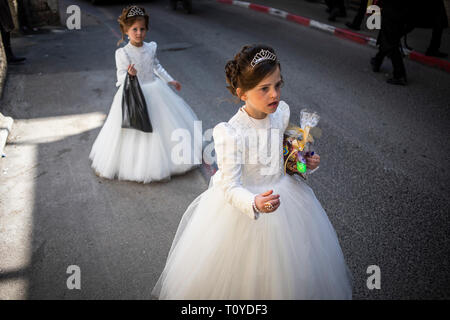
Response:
column 220, row 253
column 134, row 155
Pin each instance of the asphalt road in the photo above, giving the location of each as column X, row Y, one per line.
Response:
column 383, row 178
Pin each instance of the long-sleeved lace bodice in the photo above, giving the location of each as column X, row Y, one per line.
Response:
column 145, row 62
column 249, row 153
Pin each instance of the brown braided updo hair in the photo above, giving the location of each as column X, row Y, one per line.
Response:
column 125, row 23
column 240, row 73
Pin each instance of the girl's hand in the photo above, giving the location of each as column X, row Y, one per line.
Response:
column 312, row 162
column 131, row 70
column 176, row 84
column 267, row 197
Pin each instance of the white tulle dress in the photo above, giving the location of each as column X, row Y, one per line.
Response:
column 134, row 155
column 224, row 250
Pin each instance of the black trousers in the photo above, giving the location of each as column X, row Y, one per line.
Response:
column 393, row 28
column 435, row 42
column 389, row 45
column 397, row 61
column 360, row 14
column 23, row 13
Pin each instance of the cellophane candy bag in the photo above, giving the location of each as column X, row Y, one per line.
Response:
column 298, row 142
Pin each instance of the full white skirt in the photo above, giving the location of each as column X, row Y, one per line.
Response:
column 134, row 155
column 220, row 253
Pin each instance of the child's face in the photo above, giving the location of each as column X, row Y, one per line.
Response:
column 264, row 98
column 137, row 31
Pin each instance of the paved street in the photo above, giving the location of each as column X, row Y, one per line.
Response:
column 383, row 177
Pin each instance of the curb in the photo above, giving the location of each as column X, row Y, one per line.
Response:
column 5, row 128
column 3, row 67
column 5, row 122
column 338, row 32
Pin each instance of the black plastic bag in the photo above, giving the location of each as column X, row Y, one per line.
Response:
column 134, row 107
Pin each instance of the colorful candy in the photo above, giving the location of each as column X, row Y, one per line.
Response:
column 301, row 167
column 297, row 141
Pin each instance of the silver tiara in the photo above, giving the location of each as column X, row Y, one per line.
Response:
column 262, row 56
column 135, row 11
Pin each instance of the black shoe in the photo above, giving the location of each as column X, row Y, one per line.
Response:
column 436, row 53
column 375, row 65
column 398, row 81
column 14, row 59
column 352, row 26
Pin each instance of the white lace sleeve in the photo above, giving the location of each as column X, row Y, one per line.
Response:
column 229, row 161
column 158, row 68
column 121, row 66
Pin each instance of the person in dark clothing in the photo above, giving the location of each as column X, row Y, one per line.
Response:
column 23, row 10
column 431, row 15
column 356, row 23
column 435, row 44
column 336, row 8
column 393, row 25
column 6, row 26
column 437, row 19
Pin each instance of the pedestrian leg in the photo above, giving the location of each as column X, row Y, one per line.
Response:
column 10, row 57
column 435, row 44
column 356, row 24
column 399, row 72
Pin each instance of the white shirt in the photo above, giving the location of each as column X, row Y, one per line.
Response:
column 144, row 60
column 235, row 146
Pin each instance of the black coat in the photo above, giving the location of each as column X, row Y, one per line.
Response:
column 427, row 14
column 417, row 14
column 394, row 18
column 5, row 16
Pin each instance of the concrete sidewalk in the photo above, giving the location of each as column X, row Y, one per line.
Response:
column 54, row 211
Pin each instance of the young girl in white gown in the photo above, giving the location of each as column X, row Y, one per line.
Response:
column 256, row 233
column 135, row 155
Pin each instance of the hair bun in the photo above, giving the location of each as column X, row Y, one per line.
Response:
column 232, row 73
